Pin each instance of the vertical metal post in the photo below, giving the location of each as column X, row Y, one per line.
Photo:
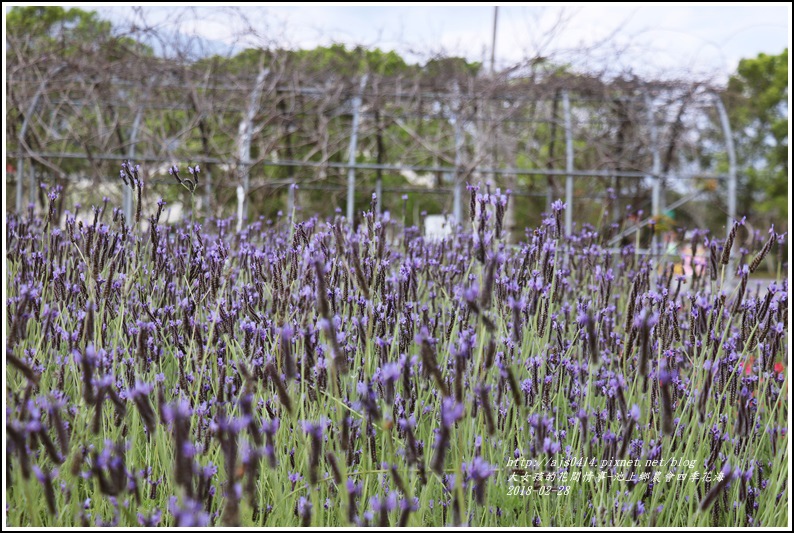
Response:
column 291, row 201
column 656, row 203
column 293, row 185
column 457, row 199
column 549, row 198
column 351, row 155
column 379, row 148
column 240, row 207
column 728, row 133
column 245, row 135
column 566, row 109
column 127, row 198
column 32, row 185
column 207, row 191
column 458, row 162
column 20, row 168
column 457, row 205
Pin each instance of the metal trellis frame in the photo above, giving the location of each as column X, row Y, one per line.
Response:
column 453, row 101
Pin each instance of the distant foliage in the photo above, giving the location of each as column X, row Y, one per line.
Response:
column 757, row 101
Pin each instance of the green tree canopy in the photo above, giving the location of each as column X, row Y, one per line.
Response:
column 757, row 101
column 37, row 31
column 358, row 60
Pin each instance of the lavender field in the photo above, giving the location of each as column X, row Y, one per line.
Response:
column 313, row 374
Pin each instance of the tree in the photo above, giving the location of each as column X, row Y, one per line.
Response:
column 757, row 102
column 61, row 66
column 55, row 32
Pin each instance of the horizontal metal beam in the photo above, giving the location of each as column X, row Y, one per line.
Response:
column 284, row 183
column 374, row 166
column 244, row 82
column 127, row 104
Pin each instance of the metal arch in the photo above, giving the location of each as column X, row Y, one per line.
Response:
column 731, row 178
column 728, row 133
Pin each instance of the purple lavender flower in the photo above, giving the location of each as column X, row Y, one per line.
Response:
column 294, row 477
column 188, row 514
column 304, row 510
column 634, row 413
column 152, row 520
column 727, row 476
column 451, row 412
column 558, row 206
column 45, row 478
column 479, row 471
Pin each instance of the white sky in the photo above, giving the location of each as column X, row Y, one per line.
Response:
column 707, row 40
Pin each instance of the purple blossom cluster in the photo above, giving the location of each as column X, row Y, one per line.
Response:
column 196, row 376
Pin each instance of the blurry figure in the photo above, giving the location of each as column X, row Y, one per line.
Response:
column 688, row 261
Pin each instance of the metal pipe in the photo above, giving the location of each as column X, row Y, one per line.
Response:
column 654, row 175
column 351, row 156
column 566, row 109
column 291, row 200
column 240, row 207
column 457, row 199
column 208, row 190
column 31, row 185
column 593, row 173
column 284, row 183
column 342, row 113
column 525, row 95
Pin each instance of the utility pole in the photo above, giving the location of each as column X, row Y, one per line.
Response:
column 493, row 40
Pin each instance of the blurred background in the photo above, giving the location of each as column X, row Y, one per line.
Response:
column 671, row 115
